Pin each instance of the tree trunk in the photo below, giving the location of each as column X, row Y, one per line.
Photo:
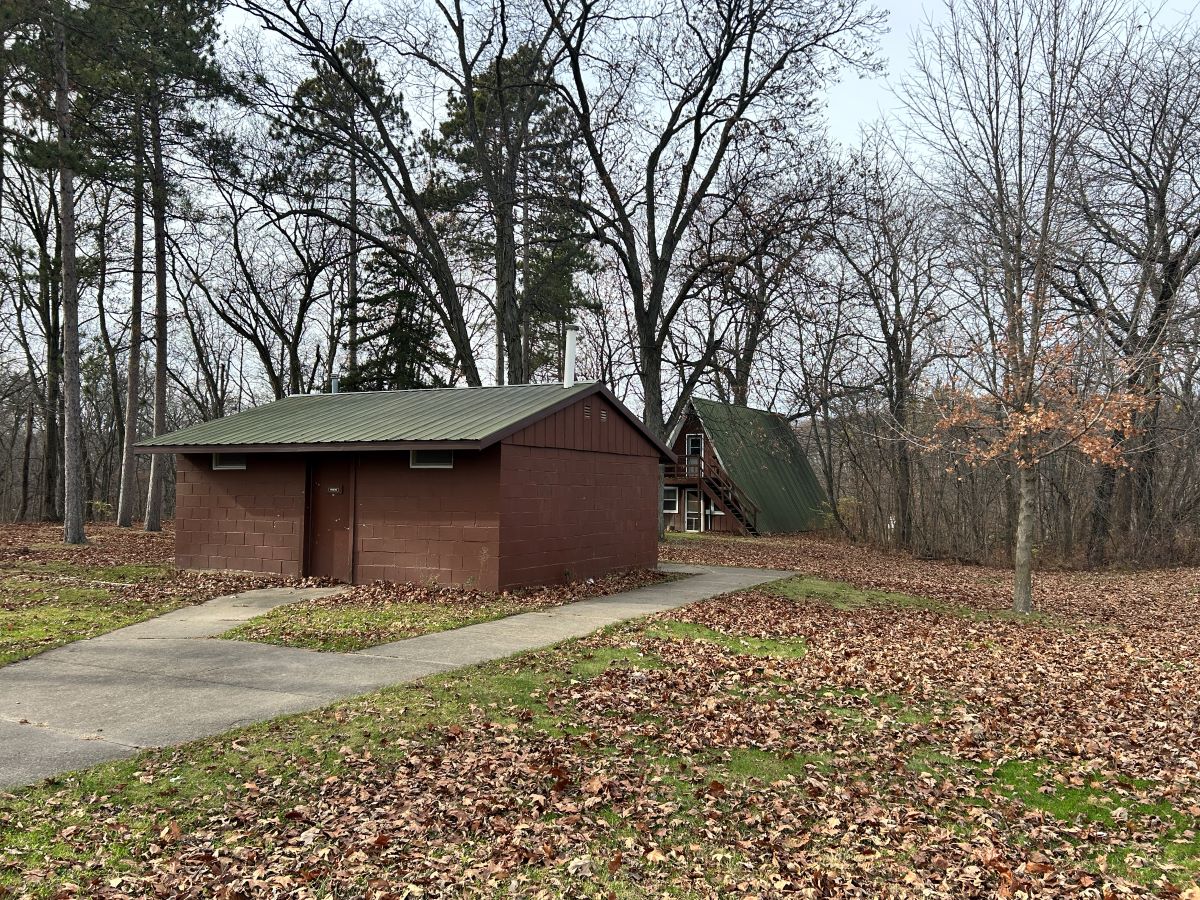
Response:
column 73, row 416
column 1145, row 501
column 51, row 436
column 158, row 205
column 509, row 318
column 650, row 358
column 903, row 495
column 128, row 497
column 1023, row 550
column 1100, row 518
column 23, row 509
column 903, row 462
column 352, row 273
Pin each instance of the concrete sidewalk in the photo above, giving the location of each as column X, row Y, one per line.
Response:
column 162, row 682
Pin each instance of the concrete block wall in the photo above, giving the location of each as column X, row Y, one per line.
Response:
column 250, row 519
column 574, row 495
column 572, row 514
column 428, row 524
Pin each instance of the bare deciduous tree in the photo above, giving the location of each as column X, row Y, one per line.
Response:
column 998, row 95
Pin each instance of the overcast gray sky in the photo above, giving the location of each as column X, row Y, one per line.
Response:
column 859, row 101
column 855, row 102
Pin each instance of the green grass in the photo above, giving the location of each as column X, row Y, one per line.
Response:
column 1033, row 783
column 750, row 646
column 347, row 628
column 1037, row 784
column 39, row 615
column 592, row 664
column 752, row 764
column 850, row 704
column 132, row 573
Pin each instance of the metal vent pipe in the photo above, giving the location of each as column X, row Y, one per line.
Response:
column 569, row 357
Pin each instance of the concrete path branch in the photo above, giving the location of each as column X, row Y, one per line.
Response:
column 164, row 682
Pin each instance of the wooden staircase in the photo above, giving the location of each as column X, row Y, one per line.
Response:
column 719, row 487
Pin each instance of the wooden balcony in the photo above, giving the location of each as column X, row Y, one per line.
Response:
column 714, row 481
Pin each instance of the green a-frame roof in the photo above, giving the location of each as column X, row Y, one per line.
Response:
column 762, row 454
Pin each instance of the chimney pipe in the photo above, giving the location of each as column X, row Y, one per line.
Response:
column 569, row 357
column 333, row 384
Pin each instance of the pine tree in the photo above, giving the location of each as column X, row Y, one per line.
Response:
column 512, row 156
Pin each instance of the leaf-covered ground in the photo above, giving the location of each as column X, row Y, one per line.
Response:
column 900, row 736
column 374, row 614
column 1136, row 599
column 52, row 593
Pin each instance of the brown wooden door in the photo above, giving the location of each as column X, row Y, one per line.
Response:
column 331, row 518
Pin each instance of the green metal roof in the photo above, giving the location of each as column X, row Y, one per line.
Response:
column 763, row 456
column 479, row 415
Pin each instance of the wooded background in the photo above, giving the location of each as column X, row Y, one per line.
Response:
column 982, row 317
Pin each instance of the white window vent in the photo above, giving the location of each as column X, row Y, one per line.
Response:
column 431, row 459
column 228, row 461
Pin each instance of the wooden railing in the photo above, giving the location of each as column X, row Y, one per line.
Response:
column 719, row 484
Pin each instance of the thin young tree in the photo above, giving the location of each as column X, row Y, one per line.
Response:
column 178, row 64
column 127, row 500
column 997, row 96
column 73, row 496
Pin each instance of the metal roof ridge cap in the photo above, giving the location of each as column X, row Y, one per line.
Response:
column 429, row 390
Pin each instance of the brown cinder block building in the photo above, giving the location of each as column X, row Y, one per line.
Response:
column 493, row 487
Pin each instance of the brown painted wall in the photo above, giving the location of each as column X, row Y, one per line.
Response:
column 568, row 511
column 590, row 424
column 571, row 514
column 574, row 495
column 247, row 519
column 428, row 524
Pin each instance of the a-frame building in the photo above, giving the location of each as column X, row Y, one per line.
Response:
column 741, row 471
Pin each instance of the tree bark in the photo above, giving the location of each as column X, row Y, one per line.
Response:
column 51, row 435
column 128, row 496
column 904, row 516
column 1145, row 504
column 352, row 273
column 899, row 412
column 158, row 205
column 23, row 509
column 506, row 290
column 72, row 414
column 1100, row 518
column 1023, row 550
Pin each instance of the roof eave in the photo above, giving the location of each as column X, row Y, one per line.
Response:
column 570, row 397
column 322, row 447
